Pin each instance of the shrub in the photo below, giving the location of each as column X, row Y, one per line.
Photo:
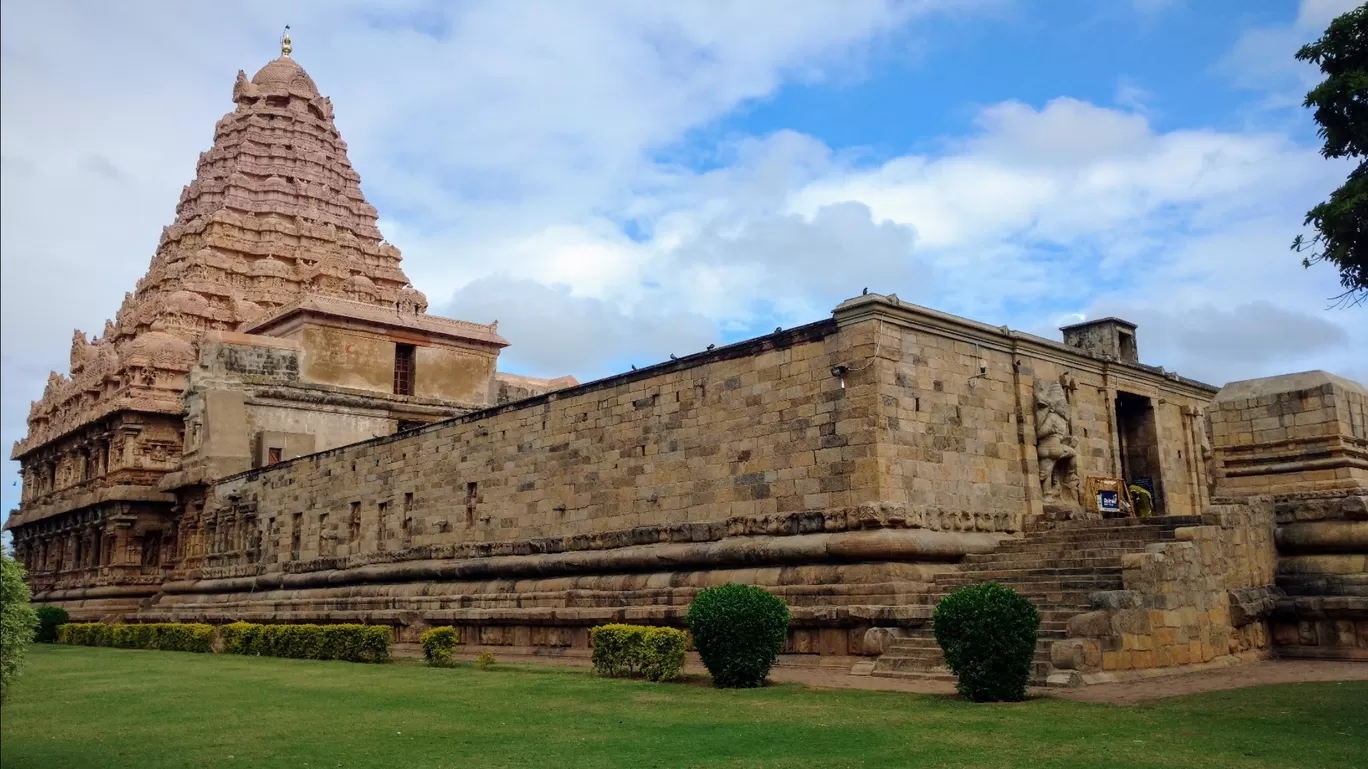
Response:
column 240, row 638
column 352, row 643
column 662, row 653
column 158, row 636
column 657, row 653
column 85, row 634
column 439, row 644
column 184, row 637
column 18, row 621
column 615, row 648
column 485, row 659
column 49, row 618
column 739, row 631
column 988, row 633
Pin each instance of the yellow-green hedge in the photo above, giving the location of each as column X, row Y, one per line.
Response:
column 439, row 645
column 162, row 636
column 353, row 643
column 656, row 653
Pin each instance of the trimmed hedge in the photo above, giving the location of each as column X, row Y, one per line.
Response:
column 160, row 636
column 84, row 634
column 739, row 631
column 49, row 619
column 352, row 643
column 439, row 646
column 988, row 633
column 656, row 653
column 661, row 657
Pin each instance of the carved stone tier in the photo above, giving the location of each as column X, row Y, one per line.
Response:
column 274, row 214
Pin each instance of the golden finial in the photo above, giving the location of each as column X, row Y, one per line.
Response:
column 285, row 43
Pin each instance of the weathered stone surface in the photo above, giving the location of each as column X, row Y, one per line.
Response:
column 1079, row 654
column 1093, row 624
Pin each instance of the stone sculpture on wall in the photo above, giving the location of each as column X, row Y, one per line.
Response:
column 1056, row 451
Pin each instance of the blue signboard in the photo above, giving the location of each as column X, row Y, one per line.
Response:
column 1109, row 501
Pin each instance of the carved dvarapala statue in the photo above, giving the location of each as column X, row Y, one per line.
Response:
column 1056, row 451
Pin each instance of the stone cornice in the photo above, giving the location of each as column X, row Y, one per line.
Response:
column 890, row 309
column 76, row 498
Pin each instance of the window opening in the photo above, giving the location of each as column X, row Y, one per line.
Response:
column 404, row 355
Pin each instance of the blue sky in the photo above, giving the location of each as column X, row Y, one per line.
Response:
column 615, row 182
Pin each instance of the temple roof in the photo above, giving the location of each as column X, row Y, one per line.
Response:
column 274, row 215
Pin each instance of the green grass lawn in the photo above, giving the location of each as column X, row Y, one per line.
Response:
column 112, row 708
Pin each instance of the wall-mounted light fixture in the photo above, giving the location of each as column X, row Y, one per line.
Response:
column 840, row 371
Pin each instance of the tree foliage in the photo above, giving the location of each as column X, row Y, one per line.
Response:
column 18, row 621
column 1341, row 110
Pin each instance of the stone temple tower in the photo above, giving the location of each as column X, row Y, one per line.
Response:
column 275, row 219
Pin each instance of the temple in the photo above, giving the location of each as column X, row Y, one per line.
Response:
column 273, row 428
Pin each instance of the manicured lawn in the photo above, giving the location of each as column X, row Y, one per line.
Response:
column 79, row 707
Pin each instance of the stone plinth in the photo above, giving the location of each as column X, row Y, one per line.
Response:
column 1302, row 441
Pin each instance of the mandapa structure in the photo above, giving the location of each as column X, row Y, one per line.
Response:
column 275, row 430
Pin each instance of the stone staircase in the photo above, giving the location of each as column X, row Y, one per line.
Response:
column 1056, row 566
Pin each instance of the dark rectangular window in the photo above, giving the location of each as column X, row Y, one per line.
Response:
column 273, row 455
column 407, row 541
column 403, row 369
column 295, row 524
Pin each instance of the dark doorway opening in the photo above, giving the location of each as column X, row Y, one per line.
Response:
column 1139, row 437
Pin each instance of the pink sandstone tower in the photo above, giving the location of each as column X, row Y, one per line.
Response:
column 273, row 236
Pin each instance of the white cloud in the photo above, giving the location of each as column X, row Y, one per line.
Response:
column 1263, row 58
column 558, row 332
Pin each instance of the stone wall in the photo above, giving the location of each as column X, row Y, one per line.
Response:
column 1201, row 600
column 956, row 411
column 1293, row 433
column 1302, row 441
column 842, row 465
column 615, row 500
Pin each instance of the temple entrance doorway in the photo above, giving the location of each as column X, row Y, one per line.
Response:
column 1139, row 445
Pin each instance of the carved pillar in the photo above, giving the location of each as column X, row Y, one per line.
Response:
column 96, row 547
column 123, row 541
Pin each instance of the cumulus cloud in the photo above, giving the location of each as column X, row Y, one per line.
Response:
column 1216, row 344
column 559, row 333
column 1262, row 59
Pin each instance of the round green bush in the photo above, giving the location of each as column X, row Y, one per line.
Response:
column 49, row 618
column 988, row 633
column 739, row 631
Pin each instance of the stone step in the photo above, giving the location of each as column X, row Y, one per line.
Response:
column 1072, row 591
column 1157, row 521
column 1039, row 672
column 1056, row 567
column 1065, row 549
column 923, row 650
column 1086, row 555
column 1011, row 569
